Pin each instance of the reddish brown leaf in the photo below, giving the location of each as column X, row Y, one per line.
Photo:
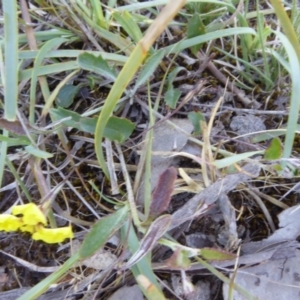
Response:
column 13, row 127
column 162, row 194
column 179, row 260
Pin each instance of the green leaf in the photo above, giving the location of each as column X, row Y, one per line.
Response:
column 214, row 254
column 12, row 142
column 274, row 151
column 195, row 118
column 149, row 67
column 173, row 74
column 102, row 231
column 171, row 97
column 122, row 126
column 37, row 152
column 195, row 27
column 67, row 94
column 96, row 64
column 129, row 25
column 117, row 129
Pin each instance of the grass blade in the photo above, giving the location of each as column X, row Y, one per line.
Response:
column 43, row 286
column 295, row 92
column 11, row 59
column 133, row 63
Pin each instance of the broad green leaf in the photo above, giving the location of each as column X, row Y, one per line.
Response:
column 117, row 129
column 121, row 125
column 37, row 152
column 96, row 64
column 102, row 231
column 171, row 96
column 195, row 27
column 149, row 67
column 129, row 25
column 195, row 118
column 89, row 125
column 61, row 113
column 274, row 151
column 215, row 254
column 67, row 94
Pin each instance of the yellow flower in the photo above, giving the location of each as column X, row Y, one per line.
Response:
column 32, row 215
column 10, row 223
column 28, row 228
column 52, row 236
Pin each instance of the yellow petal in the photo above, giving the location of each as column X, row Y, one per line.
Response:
column 28, row 228
column 10, row 223
column 52, row 236
column 32, row 215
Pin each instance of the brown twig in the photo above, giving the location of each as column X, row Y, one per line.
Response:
column 223, row 79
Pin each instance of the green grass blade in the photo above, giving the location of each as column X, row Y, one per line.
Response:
column 43, row 286
column 115, row 39
column 143, row 266
column 98, row 13
column 129, row 25
column 228, row 161
column 295, row 92
column 18, row 179
column 182, row 45
column 133, row 63
column 226, row 280
column 112, row 57
column 11, row 59
column 49, row 69
column 249, row 65
column 37, row 64
column 286, row 25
